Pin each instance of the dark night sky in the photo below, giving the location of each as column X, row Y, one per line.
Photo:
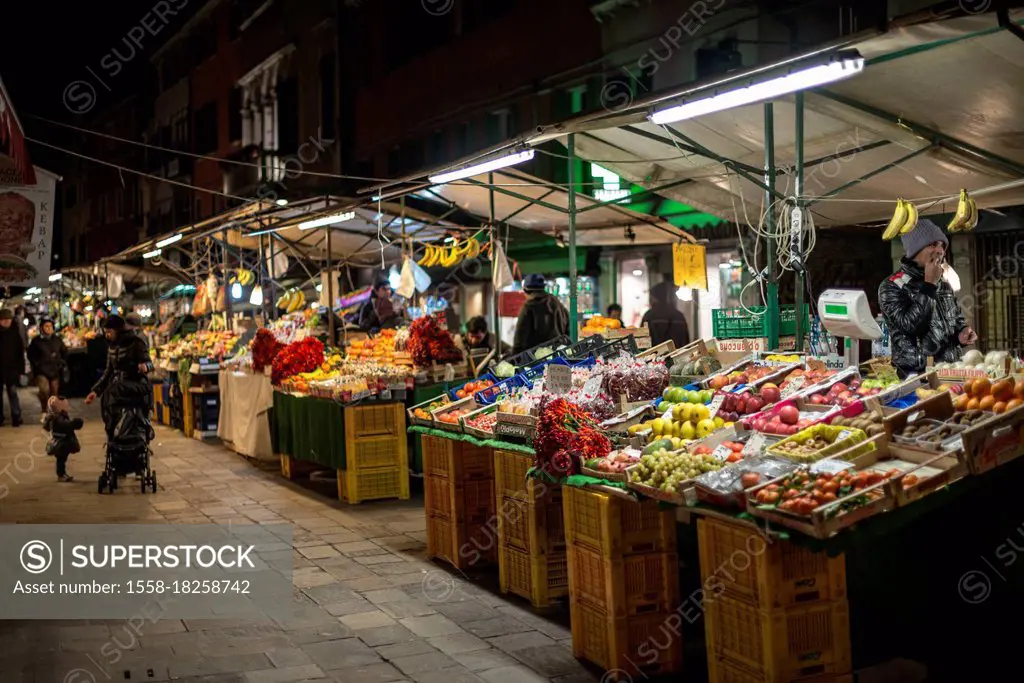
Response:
column 49, row 45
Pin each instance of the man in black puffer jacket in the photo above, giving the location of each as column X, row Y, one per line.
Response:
column 920, row 307
column 543, row 317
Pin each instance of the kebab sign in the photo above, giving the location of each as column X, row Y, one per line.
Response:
column 26, row 231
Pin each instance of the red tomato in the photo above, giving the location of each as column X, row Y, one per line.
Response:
column 830, row 487
column 828, row 497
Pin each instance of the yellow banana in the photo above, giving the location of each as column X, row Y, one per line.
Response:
column 474, row 248
column 426, row 256
column 972, row 221
column 911, row 222
column 899, row 217
column 282, row 302
column 962, row 215
column 435, row 256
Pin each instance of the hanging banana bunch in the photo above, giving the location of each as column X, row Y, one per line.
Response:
column 903, row 220
column 966, row 216
column 243, row 276
column 450, row 256
column 291, row 301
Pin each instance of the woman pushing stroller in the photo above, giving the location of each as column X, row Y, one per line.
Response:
column 123, row 385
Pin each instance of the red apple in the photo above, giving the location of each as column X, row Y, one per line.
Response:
column 771, row 428
column 793, row 429
column 837, row 388
column 740, row 405
column 770, row 393
column 789, row 414
column 817, row 399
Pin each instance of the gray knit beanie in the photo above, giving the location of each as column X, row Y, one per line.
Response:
column 920, row 237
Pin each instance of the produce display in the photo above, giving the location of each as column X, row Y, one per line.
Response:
column 298, row 357
column 292, row 300
column 423, row 413
column 803, row 492
column 567, row 434
column 600, row 325
column 452, row 416
column 470, row 388
column 783, row 358
column 615, row 462
column 997, row 397
column 665, row 470
column 842, row 394
column 449, row 256
column 430, row 342
column 993, row 364
column 869, row 422
column 380, row 349
column 484, row 422
column 814, row 443
column 504, row 370
column 264, row 348
column 747, row 375
column 685, row 421
column 77, row 337
column 788, row 419
column 636, row 380
column 807, row 377
column 215, row 345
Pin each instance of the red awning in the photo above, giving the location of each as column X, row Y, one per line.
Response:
column 16, row 169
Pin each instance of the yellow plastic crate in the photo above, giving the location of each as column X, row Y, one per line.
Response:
column 627, row 648
column 541, row 579
column 456, row 460
column 355, row 486
column 780, row 645
column 469, row 501
column 368, row 452
column 616, row 526
column 767, row 575
column 624, row 586
column 462, row 544
column 510, row 479
column 537, row 527
column 726, row 671
column 383, row 419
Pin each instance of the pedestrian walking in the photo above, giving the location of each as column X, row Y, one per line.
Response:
column 12, row 365
column 47, row 356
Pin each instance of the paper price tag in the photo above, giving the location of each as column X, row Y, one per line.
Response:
column 795, row 385
column 558, row 379
column 449, row 373
column 592, row 387
column 845, row 434
column 716, row 404
column 721, row 453
column 755, row 444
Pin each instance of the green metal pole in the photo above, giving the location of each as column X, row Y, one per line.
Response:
column 796, row 239
column 573, row 304
column 496, row 236
column 769, row 179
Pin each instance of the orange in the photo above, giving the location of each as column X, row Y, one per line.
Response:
column 987, row 402
column 1003, row 390
column 969, row 387
column 962, row 401
column 981, row 387
column 1018, row 391
column 1014, row 404
column 972, row 404
column 999, row 407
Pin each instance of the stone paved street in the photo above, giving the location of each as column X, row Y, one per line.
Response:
column 368, row 606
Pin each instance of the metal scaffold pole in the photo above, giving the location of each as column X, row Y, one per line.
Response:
column 495, row 237
column 796, row 224
column 769, row 180
column 573, row 304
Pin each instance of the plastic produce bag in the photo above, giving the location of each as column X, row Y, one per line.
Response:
column 502, row 271
column 406, row 283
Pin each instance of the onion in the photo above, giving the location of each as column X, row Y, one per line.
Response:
column 974, row 357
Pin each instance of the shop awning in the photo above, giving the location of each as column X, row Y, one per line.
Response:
column 15, row 165
column 937, row 108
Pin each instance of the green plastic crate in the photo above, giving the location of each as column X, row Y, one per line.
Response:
column 737, row 323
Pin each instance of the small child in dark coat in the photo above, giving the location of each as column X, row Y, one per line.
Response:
column 61, row 427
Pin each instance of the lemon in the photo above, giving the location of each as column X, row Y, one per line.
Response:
column 705, row 427
column 676, row 442
column 700, row 412
column 683, row 412
column 687, row 431
column 719, row 422
column 634, row 429
column 658, row 426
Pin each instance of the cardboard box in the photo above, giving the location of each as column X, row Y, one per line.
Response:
column 938, row 407
column 995, row 441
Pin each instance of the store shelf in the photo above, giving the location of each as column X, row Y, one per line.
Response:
column 624, row 586
column 617, row 526
column 780, row 645
column 766, row 574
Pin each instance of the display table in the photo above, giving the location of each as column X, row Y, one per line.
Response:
column 244, row 424
column 309, row 429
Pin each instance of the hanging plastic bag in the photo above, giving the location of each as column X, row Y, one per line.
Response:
column 407, row 282
column 419, row 275
column 502, row 271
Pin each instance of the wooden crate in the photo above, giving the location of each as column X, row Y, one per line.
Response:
column 456, row 460
column 541, row 579
column 616, row 526
column 624, row 586
column 355, row 486
column 627, row 648
column 462, row 544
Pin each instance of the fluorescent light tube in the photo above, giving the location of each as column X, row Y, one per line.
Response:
column 282, row 202
column 152, row 254
column 56, row 276
column 484, row 167
column 169, row 241
column 327, row 220
column 803, row 79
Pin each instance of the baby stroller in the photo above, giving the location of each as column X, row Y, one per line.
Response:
column 128, row 452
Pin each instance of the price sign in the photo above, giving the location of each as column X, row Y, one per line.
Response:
column 592, row 387
column 755, row 444
column 716, row 403
column 721, row 453
column 689, row 265
column 845, row 434
column 449, row 373
column 558, row 379
column 795, row 385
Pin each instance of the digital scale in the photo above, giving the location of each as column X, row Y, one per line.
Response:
column 846, row 313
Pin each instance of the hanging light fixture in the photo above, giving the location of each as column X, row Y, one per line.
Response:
column 169, row 241
column 327, row 220
column 236, row 291
column 483, row 167
column 256, row 297
column 804, row 75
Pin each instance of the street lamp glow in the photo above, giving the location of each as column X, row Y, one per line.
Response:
column 483, row 167
column 327, row 220
column 837, row 68
column 152, row 254
column 282, row 202
column 56, row 277
column 169, row 241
